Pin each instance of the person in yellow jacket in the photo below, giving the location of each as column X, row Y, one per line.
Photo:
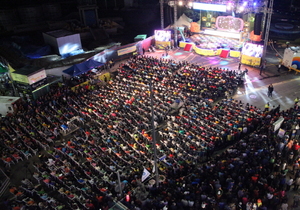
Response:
column 267, row 107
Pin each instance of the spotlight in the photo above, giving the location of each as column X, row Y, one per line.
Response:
column 241, row 9
column 190, row 4
column 180, row 3
column 254, row 4
column 229, row 6
column 245, row 3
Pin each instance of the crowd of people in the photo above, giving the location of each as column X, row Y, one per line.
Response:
column 85, row 140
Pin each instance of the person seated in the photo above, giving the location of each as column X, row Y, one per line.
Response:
column 13, row 190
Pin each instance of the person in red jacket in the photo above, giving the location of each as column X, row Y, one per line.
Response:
column 295, row 148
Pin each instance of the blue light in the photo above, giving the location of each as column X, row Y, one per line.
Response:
column 223, row 63
column 178, row 53
column 254, row 3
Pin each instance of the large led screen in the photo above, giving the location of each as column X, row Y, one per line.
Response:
column 210, row 7
column 253, row 50
column 162, row 36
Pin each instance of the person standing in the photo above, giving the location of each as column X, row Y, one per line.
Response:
column 289, row 184
column 239, row 67
column 284, row 205
column 270, row 90
column 261, row 69
column 267, row 107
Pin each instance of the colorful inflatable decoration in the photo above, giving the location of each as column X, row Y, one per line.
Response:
column 195, row 27
column 255, row 38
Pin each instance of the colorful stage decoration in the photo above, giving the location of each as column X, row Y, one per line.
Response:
column 253, row 37
column 195, row 27
column 126, row 50
column 183, row 44
column 234, row 54
column 224, row 53
column 213, row 45
column 188, row 47
column 227, row 26
column 229, row 23
column 205, row 52
column 251, row 54
column 162, row 38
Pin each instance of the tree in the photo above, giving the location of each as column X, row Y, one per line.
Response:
column 192, row 14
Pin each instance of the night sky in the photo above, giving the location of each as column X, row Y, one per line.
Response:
column 278, row 4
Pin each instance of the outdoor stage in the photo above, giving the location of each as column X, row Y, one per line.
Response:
column 209, row 45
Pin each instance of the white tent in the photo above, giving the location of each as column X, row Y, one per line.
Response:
column 183, row 21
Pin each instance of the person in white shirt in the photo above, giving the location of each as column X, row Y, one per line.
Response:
column 289, row 183
column 284, row 206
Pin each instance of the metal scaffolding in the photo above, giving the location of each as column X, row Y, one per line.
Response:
column 175, row 24
column 162, row 14
column 269, row 11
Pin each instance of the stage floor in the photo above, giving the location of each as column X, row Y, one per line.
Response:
column 214, row 42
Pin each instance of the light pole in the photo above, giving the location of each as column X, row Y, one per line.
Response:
column 153, row 136
column 119, row 183
column 162, row 14
column 175, row 24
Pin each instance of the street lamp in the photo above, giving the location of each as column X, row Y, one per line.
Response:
column 153, row 135
column 161, row 2
column 175, row 24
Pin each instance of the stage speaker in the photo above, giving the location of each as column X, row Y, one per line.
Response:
column 257, row 23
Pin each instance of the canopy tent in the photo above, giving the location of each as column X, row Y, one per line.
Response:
column 183, row 21
column 81, row 68
column 3, row 68
column 92, row 64
column 76, row 70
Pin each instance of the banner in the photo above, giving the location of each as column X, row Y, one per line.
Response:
column 145, row 175
column 204, row 52
column 126, row 50
column 252, row 61
column 162, row 157
column 278, row 123
column 235, row 54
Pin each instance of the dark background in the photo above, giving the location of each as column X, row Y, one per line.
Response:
column 144, row 16
column 278, row 4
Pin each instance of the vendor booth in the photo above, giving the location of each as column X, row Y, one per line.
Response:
column 31, row 82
